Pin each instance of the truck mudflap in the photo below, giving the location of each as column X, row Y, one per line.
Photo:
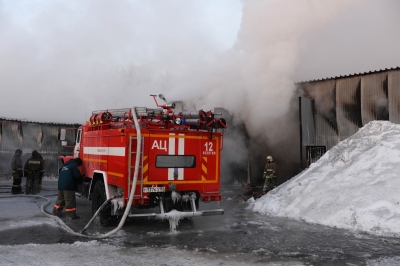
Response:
column 174, row 216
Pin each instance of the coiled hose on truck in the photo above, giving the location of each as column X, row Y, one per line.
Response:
column 127, row 209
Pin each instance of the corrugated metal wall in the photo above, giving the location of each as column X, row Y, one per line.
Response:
column 307, row 122
column 324, row 95
column 29, row 136
column 32, row 139
column 11, row 135
column 394, row 96
column 10, row 138
column 348, row 106
column 374, row 97
column 345, row 104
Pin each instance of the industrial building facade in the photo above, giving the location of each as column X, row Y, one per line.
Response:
column 29, row 136
column 333, row 109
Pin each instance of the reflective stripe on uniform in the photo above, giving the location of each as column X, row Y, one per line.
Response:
column 70, row 209
column 58, row 207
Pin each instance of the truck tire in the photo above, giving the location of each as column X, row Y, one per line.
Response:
column 98, row 198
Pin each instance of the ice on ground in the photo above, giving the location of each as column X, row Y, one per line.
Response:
column 355, row 185
column 97, row 253
column 34, row 221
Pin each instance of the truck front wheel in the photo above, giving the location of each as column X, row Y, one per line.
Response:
column 98, row 198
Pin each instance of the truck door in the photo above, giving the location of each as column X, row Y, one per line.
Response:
column 77, row 147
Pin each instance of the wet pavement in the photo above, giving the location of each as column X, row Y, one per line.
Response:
column 238, row 234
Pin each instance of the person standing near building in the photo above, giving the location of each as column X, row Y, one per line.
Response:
column 16, row 167
column 41, row 174
column 270, row 175
column 32, row 169
column 68, row 181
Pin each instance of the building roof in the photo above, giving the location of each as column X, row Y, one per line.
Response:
column 350, row 75
column 43, row 123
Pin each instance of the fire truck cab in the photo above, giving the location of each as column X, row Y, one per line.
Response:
column 144, row 158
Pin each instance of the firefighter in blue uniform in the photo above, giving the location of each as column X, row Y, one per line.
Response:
column 68, row 181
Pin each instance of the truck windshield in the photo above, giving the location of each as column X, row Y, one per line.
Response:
column 175, row 161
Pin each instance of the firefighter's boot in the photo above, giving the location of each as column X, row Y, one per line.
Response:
column 71, row 215
column 266, row 186
column 16, row 187
column 57, row 211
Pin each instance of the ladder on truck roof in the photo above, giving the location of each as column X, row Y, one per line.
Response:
column 122, row 112
column 131, row 168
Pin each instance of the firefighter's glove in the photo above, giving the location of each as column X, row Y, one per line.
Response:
column 265, row 175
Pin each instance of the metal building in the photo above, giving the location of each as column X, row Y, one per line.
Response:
column 29, row 136
column 333, row 109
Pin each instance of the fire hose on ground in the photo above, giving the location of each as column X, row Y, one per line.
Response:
column 127, row 209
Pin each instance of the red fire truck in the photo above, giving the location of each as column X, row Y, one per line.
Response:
column 145, row 158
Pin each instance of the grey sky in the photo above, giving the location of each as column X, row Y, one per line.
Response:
column 360, row 40
column 60, row 60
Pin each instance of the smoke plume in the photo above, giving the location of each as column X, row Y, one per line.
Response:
column 63, row 59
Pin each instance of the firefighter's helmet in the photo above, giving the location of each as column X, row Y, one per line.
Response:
column 269, row 158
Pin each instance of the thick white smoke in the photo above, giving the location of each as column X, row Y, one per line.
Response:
column 61, row 60
column 253, row 80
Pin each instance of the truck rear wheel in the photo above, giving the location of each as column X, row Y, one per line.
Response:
column 98, row 198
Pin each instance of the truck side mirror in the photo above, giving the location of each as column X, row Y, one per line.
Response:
column 61, row 137
column 63, row 143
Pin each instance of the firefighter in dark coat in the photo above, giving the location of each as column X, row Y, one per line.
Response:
column 32, row 170
column 68, row 181
column 41, row 174
column 270, row 175
column 16, row 166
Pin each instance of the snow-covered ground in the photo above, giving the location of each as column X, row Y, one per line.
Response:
column 355, row 185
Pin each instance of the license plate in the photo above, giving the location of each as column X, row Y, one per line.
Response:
column 153, row 189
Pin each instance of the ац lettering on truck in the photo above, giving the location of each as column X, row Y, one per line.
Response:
column 175, row 156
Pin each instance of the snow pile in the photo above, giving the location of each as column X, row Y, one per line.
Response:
column 355, row 185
